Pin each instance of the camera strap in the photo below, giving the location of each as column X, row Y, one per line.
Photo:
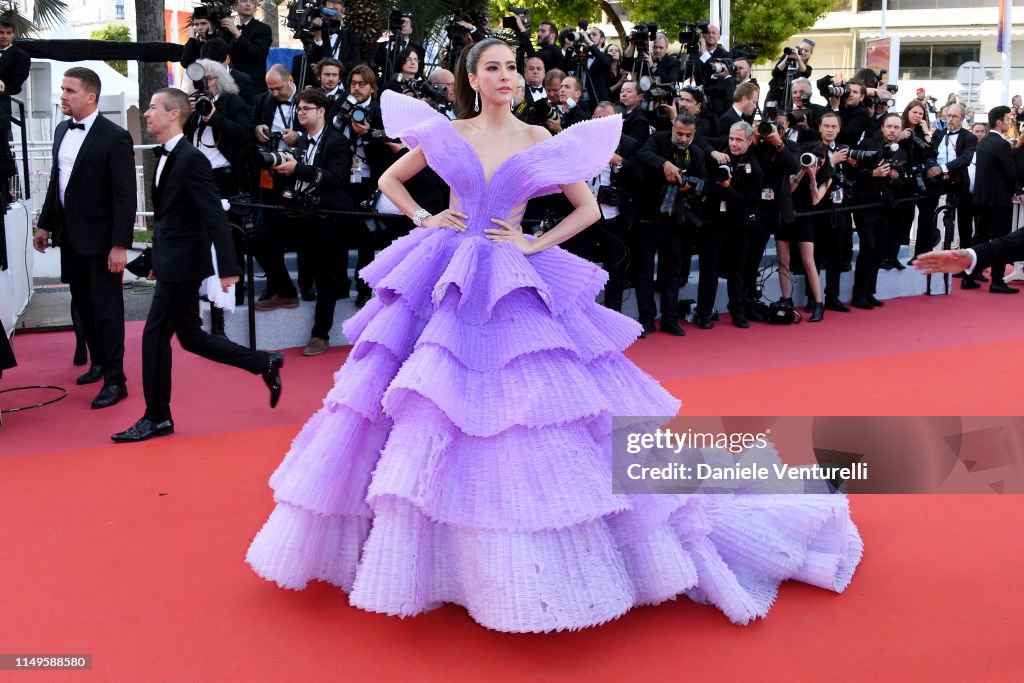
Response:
column 286, row 123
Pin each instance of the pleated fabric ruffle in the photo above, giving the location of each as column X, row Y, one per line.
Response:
column 463, row 456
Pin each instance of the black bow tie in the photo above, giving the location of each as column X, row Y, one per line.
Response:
column 159, row 151
column 72, row 125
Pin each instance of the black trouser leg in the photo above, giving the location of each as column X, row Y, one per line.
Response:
column 81, row 339
column 757, row 239
column 999, row 219
column 899, row 233
column 835, row 237
column 866, row 268
column 97, row 294
column 670, row 255
column 926, row 228
column 647, row 242
column 710, row 239
column 268, row 248
column 614, row 257
column 965, row 220
column 325, row 265
column 882, row 228
column 739, row 246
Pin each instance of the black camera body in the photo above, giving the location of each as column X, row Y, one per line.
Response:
column 690, row 34
column 828, row 88
column 510, row 22
column 544, row 108
column 642, row 36
column 348, row 110
column 396, row 19
column 302, row 15
column 767, row 125
column 213, row 11
column 722, row 173
column 269, row 154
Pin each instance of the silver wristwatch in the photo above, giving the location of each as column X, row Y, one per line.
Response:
column 419, row 217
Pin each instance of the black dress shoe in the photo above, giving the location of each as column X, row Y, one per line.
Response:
column 1002, row 288
column 980, row 277
column 833, row 304
column 672, row 327
column 740, row 320
column 648, row 327
column 81, row 355
column 899, row 266
column 862, row 303
column 969, row 283
column 705, row 322
column 308, row 294
column 272, row 376
column 886, row 264
column 875, row 302
column 362, row 299
column 144, row 429
column 109, row 395
column 93, row 375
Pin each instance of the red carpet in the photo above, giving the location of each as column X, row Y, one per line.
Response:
column 135, row 553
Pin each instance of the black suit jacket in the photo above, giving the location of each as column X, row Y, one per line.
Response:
column 345, row 49
column 99, row 202
column 246, row 89
column 966, row 144
column 1008, row 249
column 187, row 218
column 636, row 125
column 551, row 54
column 232, row 128
column 332, row 162
column 249, row 52
column 266, row 110
column 652, row 156
column 392, row 50
column 996, row 175
column 856, row 122
column 14, row 67
column 596, row 86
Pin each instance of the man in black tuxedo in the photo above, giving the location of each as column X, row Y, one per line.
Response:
column 744, row 104
column 14, row 67
column 670, row 159
column 570, row 108
column 954, row 149
column 329, row 72
column 187, row 219
column 342, row 45
column 534, row 75
column 549, row 52
column 593, row 71
column 634, row 120
column 252, row 43
column 321, row 171
column 90, row 210
column 994, row 187
column 386, row 57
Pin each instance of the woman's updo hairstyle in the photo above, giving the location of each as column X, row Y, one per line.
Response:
column 468, row 58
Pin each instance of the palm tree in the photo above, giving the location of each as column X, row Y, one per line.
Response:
column 46, row 14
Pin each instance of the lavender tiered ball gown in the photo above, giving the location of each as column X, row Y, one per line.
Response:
column 463, row 454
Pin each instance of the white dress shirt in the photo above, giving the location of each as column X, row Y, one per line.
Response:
column 169, row 147
column 70, row 145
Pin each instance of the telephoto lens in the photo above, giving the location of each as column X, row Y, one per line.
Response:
column 808, row 159
column 723, row 173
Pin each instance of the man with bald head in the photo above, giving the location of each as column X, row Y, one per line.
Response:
column 276, row 108
column 954, row 147
column 445, row 79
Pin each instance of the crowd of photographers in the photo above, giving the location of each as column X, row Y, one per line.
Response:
column 709, row 162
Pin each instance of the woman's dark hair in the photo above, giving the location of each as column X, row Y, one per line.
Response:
column 403, row 57
column 905, row 119
column 468, row 58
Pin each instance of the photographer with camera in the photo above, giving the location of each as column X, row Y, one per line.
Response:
column 744, row 104
column 219, row 127
column 833, row 231
column 545, row 108
column 329, row 72
column 916, row 181
column 804, row 116
column 206, row 26
column 792, row 64
column 653, row 60
column 444, row 80
column 669, row 204
column 318, row 171
column 275, row 109
column 587, row 62
column 250, row 43
column 216, row 50
column 847, row 99
column 341, row 45
column 954, row 152
column 732, row 220
column 359, row 118
column 570, row 108
column 399, row 40
column 547, row 33
column 634, row 119
column 875, row 187
column 407, row 65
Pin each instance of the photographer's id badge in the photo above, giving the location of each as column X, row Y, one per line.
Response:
column 356, row 176
column 722, row 207
column 767, row 194
column 837, row 196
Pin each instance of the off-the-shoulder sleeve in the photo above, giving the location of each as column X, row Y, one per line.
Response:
column 406, row 117
column 577, row 153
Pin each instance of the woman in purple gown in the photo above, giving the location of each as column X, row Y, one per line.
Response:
column 463, row 454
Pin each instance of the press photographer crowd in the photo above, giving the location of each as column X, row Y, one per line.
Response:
column 710, row 163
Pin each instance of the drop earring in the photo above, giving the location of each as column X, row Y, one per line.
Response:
column 476, row 102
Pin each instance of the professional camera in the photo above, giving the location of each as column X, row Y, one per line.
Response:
column 658, row 93
column 544, row 108
column 510, row 22
column 269, row 154
column 892, row 88
column 455, row 31
column 796, row 118
column 722, row 173
column 690, row 34
column 808, row 159
column 722, row 65
column 213, row 11
column 201, row 95
column 302, row 15
column 396, row 19
column 348, row 110
column 642, row 36
column 425, row 90
column 746, row 51
column 828, row 88
column 860, row 154
column 767, row 125
column 913, row 174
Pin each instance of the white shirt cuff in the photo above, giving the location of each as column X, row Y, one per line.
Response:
column 974, row 261
column 319, row 43
column 944, row 169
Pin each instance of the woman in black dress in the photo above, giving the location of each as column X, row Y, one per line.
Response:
column 809, row 185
